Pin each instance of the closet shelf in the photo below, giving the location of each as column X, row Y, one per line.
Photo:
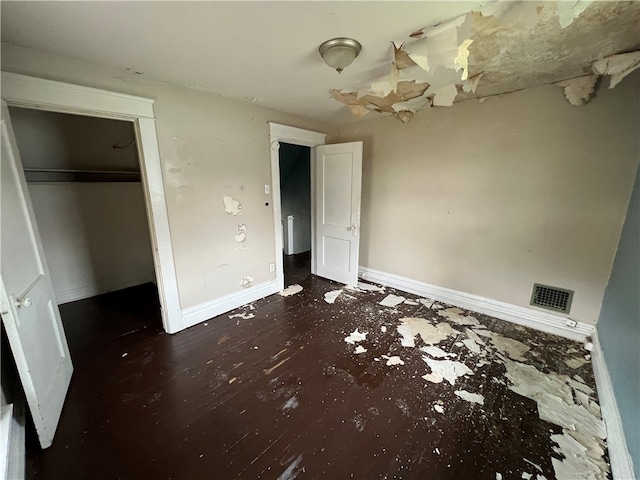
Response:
column 39, row 175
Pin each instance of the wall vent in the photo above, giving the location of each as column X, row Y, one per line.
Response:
column 551, row 298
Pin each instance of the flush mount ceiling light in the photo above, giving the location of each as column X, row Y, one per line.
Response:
column 338, row 53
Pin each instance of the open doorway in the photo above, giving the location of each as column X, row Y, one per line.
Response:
column 295, row 201
column 84, row 181
column 335, row 185
column 280, row 135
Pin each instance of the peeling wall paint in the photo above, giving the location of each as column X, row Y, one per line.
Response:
column 231, row 206
column 197, row 166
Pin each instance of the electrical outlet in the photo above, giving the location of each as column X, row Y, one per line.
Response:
column 272, row 267
column 267, row 189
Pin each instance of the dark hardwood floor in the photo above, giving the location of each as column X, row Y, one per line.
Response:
column 283, row 395
column 297, row 268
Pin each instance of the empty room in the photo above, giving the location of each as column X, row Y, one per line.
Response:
column 320, row 240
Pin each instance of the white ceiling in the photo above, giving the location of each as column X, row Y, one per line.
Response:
column 267, row 51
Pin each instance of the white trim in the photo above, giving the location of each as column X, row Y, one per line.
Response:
column 41, row 94
column 621, row 462
column 12, row 444
column 207, row 310
column 295, row 136
column 528, row 317
column 6, row 433
column 87, row 291
column 32, row 92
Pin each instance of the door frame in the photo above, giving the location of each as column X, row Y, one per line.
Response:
column 294, row 136
column 40, row 94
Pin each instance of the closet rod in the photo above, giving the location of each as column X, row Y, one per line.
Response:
column 60, row 170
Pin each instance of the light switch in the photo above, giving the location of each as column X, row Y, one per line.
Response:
column 267, row 189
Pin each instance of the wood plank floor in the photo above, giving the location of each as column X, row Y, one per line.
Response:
column 283, row 395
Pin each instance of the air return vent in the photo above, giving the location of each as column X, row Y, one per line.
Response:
column 551, row 298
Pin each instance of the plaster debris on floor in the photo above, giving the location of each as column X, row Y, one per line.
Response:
column 355, row 337
column 330, row 297
column 392, row 300
column 291, row 290
column 466, row 359
column 297, row 387
column 370, row 287
column 243, row 316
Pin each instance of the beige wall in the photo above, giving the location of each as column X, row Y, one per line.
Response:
column 58, row 140
column 95, row 236
column 209, row 147
column 488, row 198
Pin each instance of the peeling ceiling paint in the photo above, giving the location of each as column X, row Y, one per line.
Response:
column 501, row 47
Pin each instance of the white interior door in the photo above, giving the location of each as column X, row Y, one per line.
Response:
column 338, row 179
column 29, row 310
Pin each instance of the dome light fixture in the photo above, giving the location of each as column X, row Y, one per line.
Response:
column 339, row 52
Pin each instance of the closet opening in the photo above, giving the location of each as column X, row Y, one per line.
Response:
column 84, row 180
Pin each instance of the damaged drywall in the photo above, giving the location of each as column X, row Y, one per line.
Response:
column 579, row 91
column 617, row 66
column 241, row 236
column 501, row 47
column 231, row 206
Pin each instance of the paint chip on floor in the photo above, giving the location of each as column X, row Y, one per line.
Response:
column 355, row 337
column 470, row 397
column 291, row 290
column 330, row 297
column 448, row 370
column 392, row 300
column 370, row 288
column 430, row 334
column 393, row 360
column 244, row 316
column 575, row 362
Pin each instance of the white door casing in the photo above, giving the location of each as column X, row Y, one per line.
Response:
column 338, row 180
column 38, row 93
column 27, row 303
column 294, row 136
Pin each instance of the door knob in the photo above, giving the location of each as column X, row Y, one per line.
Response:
column 23, row 302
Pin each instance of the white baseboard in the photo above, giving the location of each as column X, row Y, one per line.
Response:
column 205, row 311
column 6, row 420
column 621, row 462
column 528, row 317
column 12, row 446
column 87, row 291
